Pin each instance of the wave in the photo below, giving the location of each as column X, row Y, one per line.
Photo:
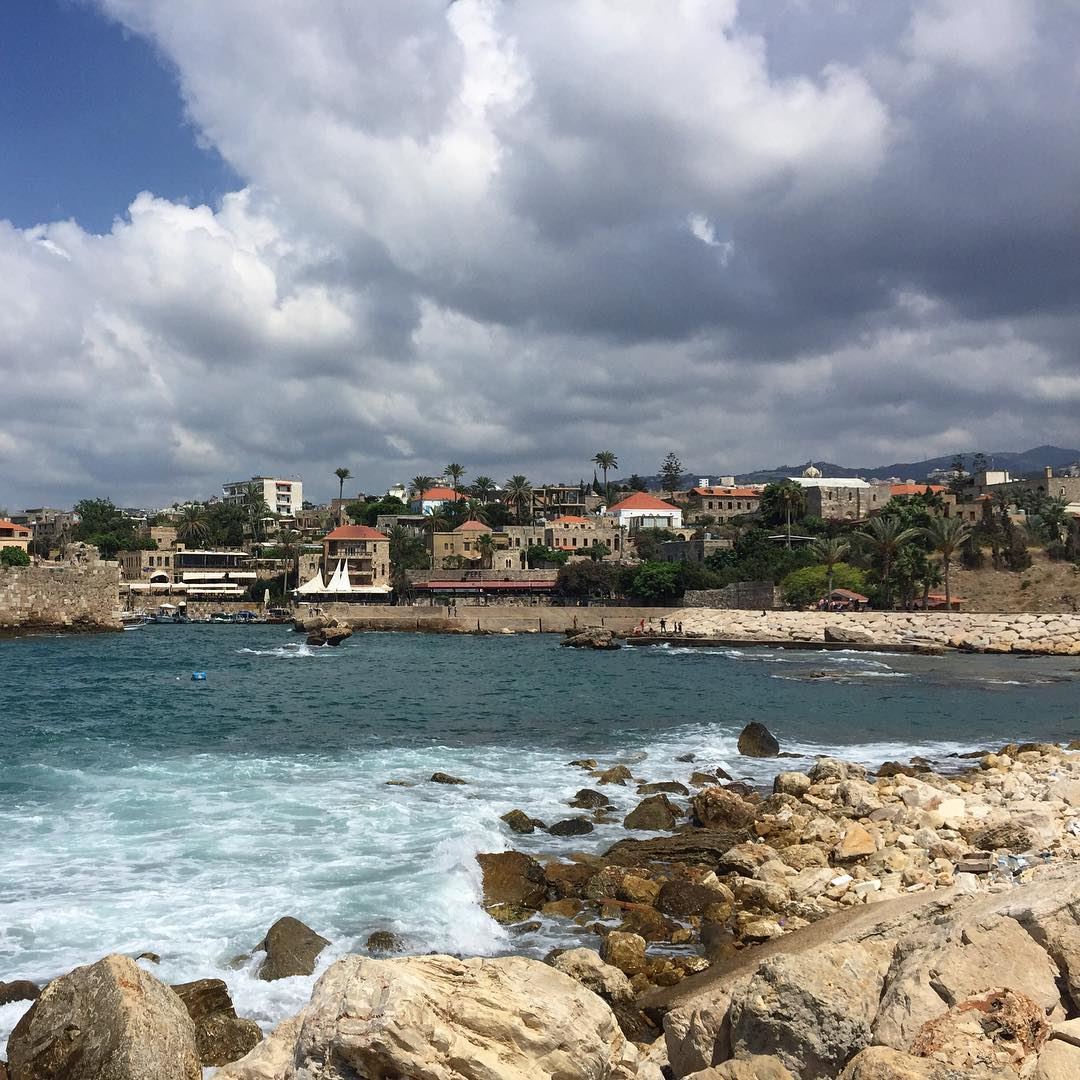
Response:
column 289, row 651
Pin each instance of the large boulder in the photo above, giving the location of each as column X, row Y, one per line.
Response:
column 590, row 799
column 758, row 1067
column 656, row 813
column 329, row 635
column 594, row 638
column 756, row 740
column 885, row 1063
column 441, row 1017
column 718, row 808
column 220, row 1035
column 291, row 947
column 848, row 634
column 19, row 990
column 692, row 846
column 512, row 880
column 107, row 1021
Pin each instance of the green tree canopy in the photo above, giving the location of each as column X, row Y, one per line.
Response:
column 807, row 586
column 671, row 473
column 14, row 556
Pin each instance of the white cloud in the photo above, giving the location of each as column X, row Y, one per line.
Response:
column 990, row 36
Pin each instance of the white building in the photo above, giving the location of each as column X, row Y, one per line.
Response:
column 284, row 497
column 644, row 511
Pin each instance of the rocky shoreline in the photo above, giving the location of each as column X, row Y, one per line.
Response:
column 899, row 924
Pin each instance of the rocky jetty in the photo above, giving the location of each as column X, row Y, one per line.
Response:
column 593, row 638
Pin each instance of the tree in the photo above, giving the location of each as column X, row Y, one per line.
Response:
column 14, row 556
column 225, row 525
column 483, row 487
column 604, row 460
column 582, row 580
column 671, row 473
column 257, row 510
column 103, row 525
column 419, row 485
column 599, row 551
column 830, row 551
column 537, row 554
column 946, row 535
column 958, row 471
column 657, row 581
column 342, row 474
column 192, row 528
column 485, row 544
column 289, row 543
column 474, row 510
column 782, row 503
column 519, row 496
column 885, row 536
column 406, row 553
column 637, row 483
column 647, row 542
column 455, row 472
column 978, row 463
column 804, row 587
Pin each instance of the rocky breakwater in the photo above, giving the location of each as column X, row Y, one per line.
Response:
column 1030, row 634
column 323, row 631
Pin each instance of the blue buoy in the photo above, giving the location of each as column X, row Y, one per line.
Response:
column 198, row 676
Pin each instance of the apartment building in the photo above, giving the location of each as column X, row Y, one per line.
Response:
column 284, row 497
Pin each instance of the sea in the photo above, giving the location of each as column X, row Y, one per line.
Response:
column 144, row 811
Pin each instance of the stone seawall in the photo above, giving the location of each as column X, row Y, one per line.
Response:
column 1057, row 634
column 67, row 597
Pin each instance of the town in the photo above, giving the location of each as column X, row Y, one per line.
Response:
column 260, row 549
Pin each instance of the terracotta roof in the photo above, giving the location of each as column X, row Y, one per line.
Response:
column 19, row 529
column 570, row 519
column 472, row 525
column 355, row 532
column 847, row 594
column 641, row 500
column 915, row 489
column 441, row 494
column 728, row 492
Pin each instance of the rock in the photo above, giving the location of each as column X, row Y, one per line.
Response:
column 272, row 1059
column 617, row 774
column 384, row 941
column 575, row 826
column 586, row 967
column 19, row 990
column 745, row 859
column 848, row 634
column 758, row 1067
column 885, row 1063
column 329, row 635
column 624, row 951
column 512, row 878
column 855, row 842
column 996, row 1029
column 108, row 1021
column 583, row 763
column 1006, row 837
column 588, row 799
column 669, row 787
column 695, row 846
column 895, row 768
column 827, row 769
column 593, row 638
column 518, row 821
column 656, row 813
column 1058, row 1061
column 813, row 1011
column 686, row 758
column 150, row 957
column 446, row 778
column 862, row 798
column 791, row 783
column 756, row 740
column 719, row 808
column 291, row 949
column 436, row 1016
column 637, row 890
column 220, row 1035
column 684, row 898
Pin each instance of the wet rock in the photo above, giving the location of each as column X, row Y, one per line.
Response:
column 656, row 813
column 895, row 768
column 702, row 779
column 563, row 909
column 719, row 808
column 518, row 821
column 669, row 787
column 329, row 635
column 528, row 927
column 791, row 783
column 685, row 898
column 617, row 774
column 446, row 778
column 576, row 826
column 637, row 890
column 583, row 763
column 220, row 1035
column 624, row 951
column 291, row 949
column 567, row 879
column 512, row 878
column 401, row 783
column 848, row 634
column 686, row 758
column 694, row 846
column 756, row 740
column 19, row 990
column 384, row 941
column 108, row 1021
column 589, row 799
column 648, row 923
column 149, row 957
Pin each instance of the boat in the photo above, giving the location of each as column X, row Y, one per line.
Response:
column 133, row 620
column 278, row 615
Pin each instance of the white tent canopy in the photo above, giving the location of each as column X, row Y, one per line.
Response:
column 339, row 584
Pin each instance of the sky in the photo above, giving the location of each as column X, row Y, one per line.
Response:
column 245, row 238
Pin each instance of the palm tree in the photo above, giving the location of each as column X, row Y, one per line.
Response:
column 519, row 494
column 192, row 528
column 483, row 488
column 886, row 536
column 435, row 522
column 342, row 474
column 830, row 551
column 475, row 510
column 605, row 459
column 946, row 536
column 485, row 544
column 420, row 484
column 289, row 542
column 400, row 541
column 256, row 508
column 455, row 472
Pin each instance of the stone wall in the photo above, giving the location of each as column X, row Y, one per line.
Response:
column 60, row 597
column 745, row 595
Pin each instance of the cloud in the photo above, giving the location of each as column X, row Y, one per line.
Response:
column 508, row 233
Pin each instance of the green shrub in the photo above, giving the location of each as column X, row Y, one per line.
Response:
column 804, row 587
column 13, row 556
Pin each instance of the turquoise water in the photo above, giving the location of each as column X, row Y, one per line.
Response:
column 140, row 810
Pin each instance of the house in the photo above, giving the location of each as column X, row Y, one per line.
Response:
column 208, row 574
column 559, row 500
column 576, row 535
column 463, row 543
column 284, row 497
column 841, row 498
column 357, row 559
column 433, row 498
column 12, row 535
column 723, row 503
column 644, row 511
column 906, row 490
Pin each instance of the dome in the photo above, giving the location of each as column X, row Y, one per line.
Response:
column 811, row 472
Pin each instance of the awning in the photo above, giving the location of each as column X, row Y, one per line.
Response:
column 219, row 575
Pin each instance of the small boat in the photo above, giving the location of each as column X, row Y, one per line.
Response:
column 133, row 620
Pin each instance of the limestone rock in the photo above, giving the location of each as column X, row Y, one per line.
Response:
column 513, row 878
column 272, row 1059
column 329, row 635
column 848, row 634
column 108, row 1021
column 756, row 740
column 593, row 638
column 826, row 769
column 220, row 1035
column 19, row 990
column 758, row 1067
column 718, row 808
column 586, row 967
column 617, row 774
column 885, row 1063
column 518, row 821
column 814, row 1010
column 440, row 1017
column 854, row 843
column 656, row 813
column 791, row 783
column 291, row 948
column 624, row 951
column 1005, row 837
column 1058, row 1061
column 685, row 898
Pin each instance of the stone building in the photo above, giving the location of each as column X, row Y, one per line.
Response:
column 722, row 503
column 841, row 498
column 359, row 556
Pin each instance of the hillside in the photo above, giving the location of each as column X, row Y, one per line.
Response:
column 1050, row 586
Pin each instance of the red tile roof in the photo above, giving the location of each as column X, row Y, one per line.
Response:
column 641, row 500
column 915, row 489
column 570, row 519
column 472, row 525
column 441, row 494
column 355, row 532
column 728, row 492
column 20, row 530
